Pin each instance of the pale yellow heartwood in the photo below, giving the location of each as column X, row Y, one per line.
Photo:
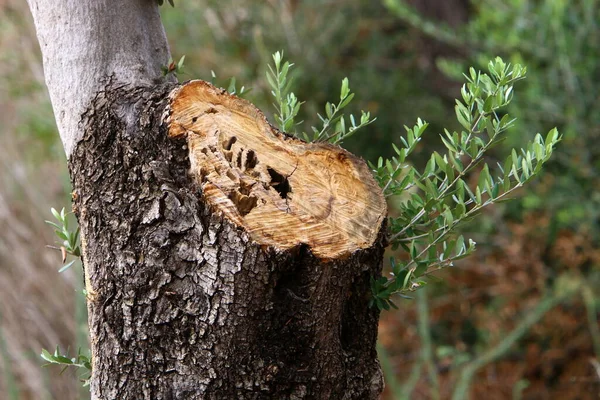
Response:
column 283, row 191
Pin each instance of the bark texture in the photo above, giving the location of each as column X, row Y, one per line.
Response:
column 84, row 41
column 185, row 303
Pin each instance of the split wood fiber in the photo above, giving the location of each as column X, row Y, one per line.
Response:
column 283, row 191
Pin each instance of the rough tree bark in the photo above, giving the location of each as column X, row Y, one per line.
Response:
column 223, row 259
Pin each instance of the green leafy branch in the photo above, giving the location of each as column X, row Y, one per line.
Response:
column 335, row 128
column 435, row 201
column 69, row 244
column 79, row 361
column 173, row 67
column 286, row 103
column 439, row 198
column 231, row 85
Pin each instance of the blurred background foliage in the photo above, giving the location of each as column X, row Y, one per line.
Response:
column 517, row 320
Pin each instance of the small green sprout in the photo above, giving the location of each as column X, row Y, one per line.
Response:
column 79, row 361
column 286, row 103
column 335, row 128
column 69, row 244
column 173, row 67
column 231, row 86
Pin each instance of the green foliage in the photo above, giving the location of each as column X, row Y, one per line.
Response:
column 237, row 38
column 80, row 361
column 286, row 103
column 438, row 199
column 559, row 42
column 334, row 129
column 69, row 239
column 173, row 67
column 435, row 201
column 69, row 246
column 231, row 85
column 160, row 2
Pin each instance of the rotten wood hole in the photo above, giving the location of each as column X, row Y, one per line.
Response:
column 282, row 191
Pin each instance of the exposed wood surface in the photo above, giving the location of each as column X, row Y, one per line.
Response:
column 283, row 191
column 182, row 303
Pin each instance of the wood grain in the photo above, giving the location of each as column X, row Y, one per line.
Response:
column 283, row 191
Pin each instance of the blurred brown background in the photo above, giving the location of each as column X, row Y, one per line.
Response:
column 499, row 315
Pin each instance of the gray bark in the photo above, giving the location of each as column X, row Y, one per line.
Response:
column 183, row 304
column 83, row 42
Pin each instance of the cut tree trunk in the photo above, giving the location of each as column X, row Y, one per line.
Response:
column 223, row 259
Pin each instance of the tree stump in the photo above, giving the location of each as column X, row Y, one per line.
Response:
column 224, row 259
column 282, row 191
